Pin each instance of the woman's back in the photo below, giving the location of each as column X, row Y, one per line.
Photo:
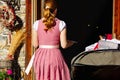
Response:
column 50, row 37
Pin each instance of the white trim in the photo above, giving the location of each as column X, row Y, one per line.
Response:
column 49, row 46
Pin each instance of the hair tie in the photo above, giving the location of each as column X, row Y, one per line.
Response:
column 47, row 7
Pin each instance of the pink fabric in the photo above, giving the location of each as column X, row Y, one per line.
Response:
column 48, row 62
column 109, row 36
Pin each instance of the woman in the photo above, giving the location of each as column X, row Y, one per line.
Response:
column 48, row 34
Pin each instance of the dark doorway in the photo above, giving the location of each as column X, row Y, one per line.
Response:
column 86, row 20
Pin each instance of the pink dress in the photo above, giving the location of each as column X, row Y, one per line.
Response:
column 49, row 63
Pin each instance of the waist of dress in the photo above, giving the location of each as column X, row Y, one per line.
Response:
column 49, row 46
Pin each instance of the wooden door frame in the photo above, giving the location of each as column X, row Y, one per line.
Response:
column 28, row 37
column 116, row 18
column 31, row 16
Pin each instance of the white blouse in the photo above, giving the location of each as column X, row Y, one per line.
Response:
column 62, row 25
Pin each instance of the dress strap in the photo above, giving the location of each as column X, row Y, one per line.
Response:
column 48, row 46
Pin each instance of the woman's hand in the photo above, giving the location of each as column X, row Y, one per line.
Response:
column 71, row 42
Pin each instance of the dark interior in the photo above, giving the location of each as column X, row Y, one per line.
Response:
column 86, row 20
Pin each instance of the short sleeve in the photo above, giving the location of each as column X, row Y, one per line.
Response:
column 35, row 25
column 62, row 25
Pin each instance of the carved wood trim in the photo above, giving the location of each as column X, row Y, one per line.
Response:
column 28, row 38
column 116, row 18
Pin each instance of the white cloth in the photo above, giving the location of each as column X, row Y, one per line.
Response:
column 62, row 25
column 114, row 41
column 92, row 46
column 27, row 70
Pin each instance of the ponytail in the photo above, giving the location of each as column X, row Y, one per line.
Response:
column 48, row 14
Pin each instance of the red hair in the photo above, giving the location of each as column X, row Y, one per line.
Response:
column 48, row 14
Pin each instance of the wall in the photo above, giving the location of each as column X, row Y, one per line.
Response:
column 6, row 35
